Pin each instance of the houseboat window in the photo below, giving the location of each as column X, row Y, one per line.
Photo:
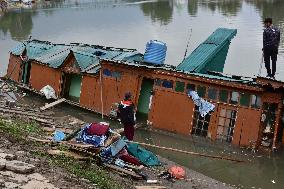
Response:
column 158, row 82
column 245, row 99
column 226, row 124
column 200, row 124
column 190, row 87
column 116, row 75
column 234, row 97
column 107, row 72
column 167, row 84
column 201, row 90
column 180, row 86
column 255, row 101
column 223, row 96
column 212, row 93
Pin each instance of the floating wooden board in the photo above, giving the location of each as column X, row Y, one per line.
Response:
column 47, row 106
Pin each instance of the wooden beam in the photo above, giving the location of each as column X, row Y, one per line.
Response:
column 187, row 152
column 47, row 106
column 124, row 171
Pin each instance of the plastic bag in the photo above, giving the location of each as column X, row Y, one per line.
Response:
column 48, row 92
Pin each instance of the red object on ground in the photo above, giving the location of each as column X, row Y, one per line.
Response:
column 98, row 129
column 177, row 172
column 123, row 155
column 129, row 131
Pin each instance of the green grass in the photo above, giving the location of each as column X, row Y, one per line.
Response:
column 88, row 170
column 19, row 130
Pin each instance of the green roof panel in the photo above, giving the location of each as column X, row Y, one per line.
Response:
column 203, row 55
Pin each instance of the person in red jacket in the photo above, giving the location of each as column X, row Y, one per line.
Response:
column 126, row 113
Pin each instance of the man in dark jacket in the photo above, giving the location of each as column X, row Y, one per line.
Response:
column 271, row 40
column 126, row 113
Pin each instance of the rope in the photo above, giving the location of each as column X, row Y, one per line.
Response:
column 260, row 67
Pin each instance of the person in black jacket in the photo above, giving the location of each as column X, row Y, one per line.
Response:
column 271, row 40
column 126, row 113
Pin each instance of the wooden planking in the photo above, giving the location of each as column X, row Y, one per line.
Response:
column 47, row 106
column 124, row 171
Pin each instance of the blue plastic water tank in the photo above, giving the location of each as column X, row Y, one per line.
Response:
column 155, row 52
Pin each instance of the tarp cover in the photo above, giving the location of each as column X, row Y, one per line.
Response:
column 146, row 157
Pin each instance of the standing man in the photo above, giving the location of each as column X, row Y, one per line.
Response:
column 126, row 112
column 271, row 40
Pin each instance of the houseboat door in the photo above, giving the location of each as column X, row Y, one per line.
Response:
column 26, row 72
column 268, row 123
column 72, row 86
column 226, row 123
column 145, row 96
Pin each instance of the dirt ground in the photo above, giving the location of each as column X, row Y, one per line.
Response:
column 62, row 178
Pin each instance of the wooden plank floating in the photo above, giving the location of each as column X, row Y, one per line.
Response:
column 187, row 152
column 47, row 106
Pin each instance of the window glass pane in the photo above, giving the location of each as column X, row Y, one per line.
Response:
column 234, row 97
column 221, row 121
column 258, row 102
column 255, row 101
column 180, row 86
column 107, row 72
column 220, row 130
column 167, row 84
column 223, row 112
column 212, row 93
column 201, row 91
column 117, row 75
column 190, row 87
column 245, row 98
column 158, row 82
column 229, row 113
column 223, row 96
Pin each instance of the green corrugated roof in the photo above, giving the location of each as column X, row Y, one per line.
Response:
column 18, row 50
column 207, row 51
column 84, row 60
column 54, row 55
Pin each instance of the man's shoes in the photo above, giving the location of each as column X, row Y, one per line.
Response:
column 272, row 77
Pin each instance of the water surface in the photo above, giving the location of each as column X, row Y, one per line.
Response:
column 131, row 23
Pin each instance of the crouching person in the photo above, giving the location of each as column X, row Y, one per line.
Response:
column 126, row 113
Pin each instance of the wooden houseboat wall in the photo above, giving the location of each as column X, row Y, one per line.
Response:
column 14, row 71
column 241, row 106
column 238, row 106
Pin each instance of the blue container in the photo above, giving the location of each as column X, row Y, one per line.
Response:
column 155, row 52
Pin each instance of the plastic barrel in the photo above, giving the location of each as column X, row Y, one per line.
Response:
column 155, row 52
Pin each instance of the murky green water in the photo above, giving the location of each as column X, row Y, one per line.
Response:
column 131, row 23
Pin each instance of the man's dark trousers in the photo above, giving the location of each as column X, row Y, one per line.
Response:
column 270, row 53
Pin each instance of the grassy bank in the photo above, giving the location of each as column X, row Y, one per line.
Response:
column 18, row 131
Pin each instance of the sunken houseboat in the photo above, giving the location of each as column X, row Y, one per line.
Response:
column 246, row 111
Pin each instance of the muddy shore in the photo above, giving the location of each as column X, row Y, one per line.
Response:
column 62, row 178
